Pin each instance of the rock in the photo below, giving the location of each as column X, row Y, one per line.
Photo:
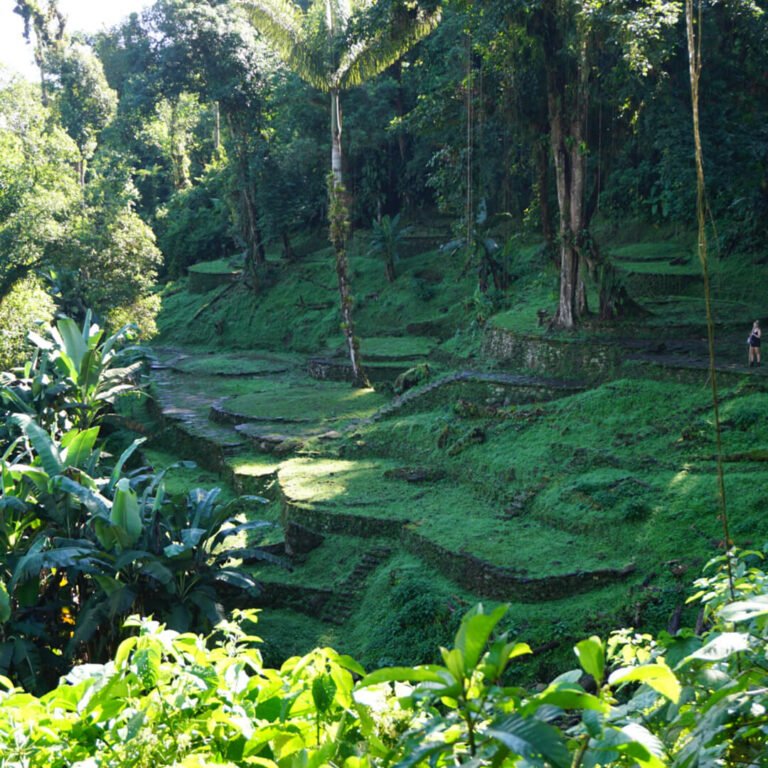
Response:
column 332, row 434
column 473, row 437
column 287, row 446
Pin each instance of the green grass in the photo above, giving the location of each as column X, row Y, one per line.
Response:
column 397, row 346
column 235, row 363
column 620, row 473
column 224, row 266
column 309, row 401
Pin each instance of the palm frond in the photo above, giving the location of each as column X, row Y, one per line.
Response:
column 283, row 24
column 367, row 58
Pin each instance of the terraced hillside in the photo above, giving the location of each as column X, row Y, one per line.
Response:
column 486, row 485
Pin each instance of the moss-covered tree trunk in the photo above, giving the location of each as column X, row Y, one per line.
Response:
column 338, row 219
column 567, row 109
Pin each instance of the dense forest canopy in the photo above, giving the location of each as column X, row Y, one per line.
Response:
column 261, row 179
column 566, row 117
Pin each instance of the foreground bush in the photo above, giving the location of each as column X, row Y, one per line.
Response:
column 84, row 540
column 175, row 699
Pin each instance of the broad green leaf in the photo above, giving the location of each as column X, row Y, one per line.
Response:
column 79, row 447
column 108, row 584
column 745, row 610
column 426, row 673
column 5, row 604
column 106, row 532
column 531, row 739
column 41, row 441
column 73, row 342
column 474, row 632
column 659, row 676
column 191, row 537
column 24, row 566
column 94, row 502
column 124, row 456
column 499, row 654
column 174, row 550
column 124, row 651
column 39, row 341
column 591, row 656
column 323, row 691
column 146, row 664
column 567, row 696
column 125, row 510
column 641, row 735
column 722, row 646
column 454, row 662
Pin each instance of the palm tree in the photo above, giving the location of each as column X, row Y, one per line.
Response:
column 336, row 45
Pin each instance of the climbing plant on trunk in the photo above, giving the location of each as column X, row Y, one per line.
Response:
column 336, row 46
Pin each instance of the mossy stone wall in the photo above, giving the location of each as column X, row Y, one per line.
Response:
column 202, row 282
column 341, row 370
column 324, row 521
column 492, row 581
column 554, row 357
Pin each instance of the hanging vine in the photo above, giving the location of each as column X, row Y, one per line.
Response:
column 694, row 60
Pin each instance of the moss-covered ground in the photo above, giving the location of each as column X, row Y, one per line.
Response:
column 621, row 474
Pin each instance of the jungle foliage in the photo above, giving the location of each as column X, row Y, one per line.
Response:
column 88, row 536
column 185, row 121
column 170, row 698
column 203, row 127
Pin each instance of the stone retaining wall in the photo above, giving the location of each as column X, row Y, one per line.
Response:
column 555, row 357
column 654, row 284
column 468, row 571
column 202, row 282
column 324, row 521
column 341, row 370
column 309, row 600
column 498, row 583
column 490, row 393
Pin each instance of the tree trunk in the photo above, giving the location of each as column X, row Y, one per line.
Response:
column 567, row 108
column 336, row 169
column 288, row 253
column 80, row 167
column 542, row 188
column 252, row 231
column 390, row 269
column 216, row 127
column 338, row 220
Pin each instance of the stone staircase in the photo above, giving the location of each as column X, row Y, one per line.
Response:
column 344, row 601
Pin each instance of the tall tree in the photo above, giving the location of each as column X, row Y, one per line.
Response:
column 39, row 195
column 44, row 27
column 85, row 102
column 334, row 46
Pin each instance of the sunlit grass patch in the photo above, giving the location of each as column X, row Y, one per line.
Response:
column 321, row 401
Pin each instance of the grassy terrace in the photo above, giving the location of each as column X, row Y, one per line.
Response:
column 619, row 474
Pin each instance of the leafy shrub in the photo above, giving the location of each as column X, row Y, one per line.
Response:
column 418, row 619
column 423, row 290
column 179, row 699
column 27, row 305
column 86, row 542
column 195, row 225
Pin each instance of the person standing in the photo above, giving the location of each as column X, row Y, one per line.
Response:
column 754, row 344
